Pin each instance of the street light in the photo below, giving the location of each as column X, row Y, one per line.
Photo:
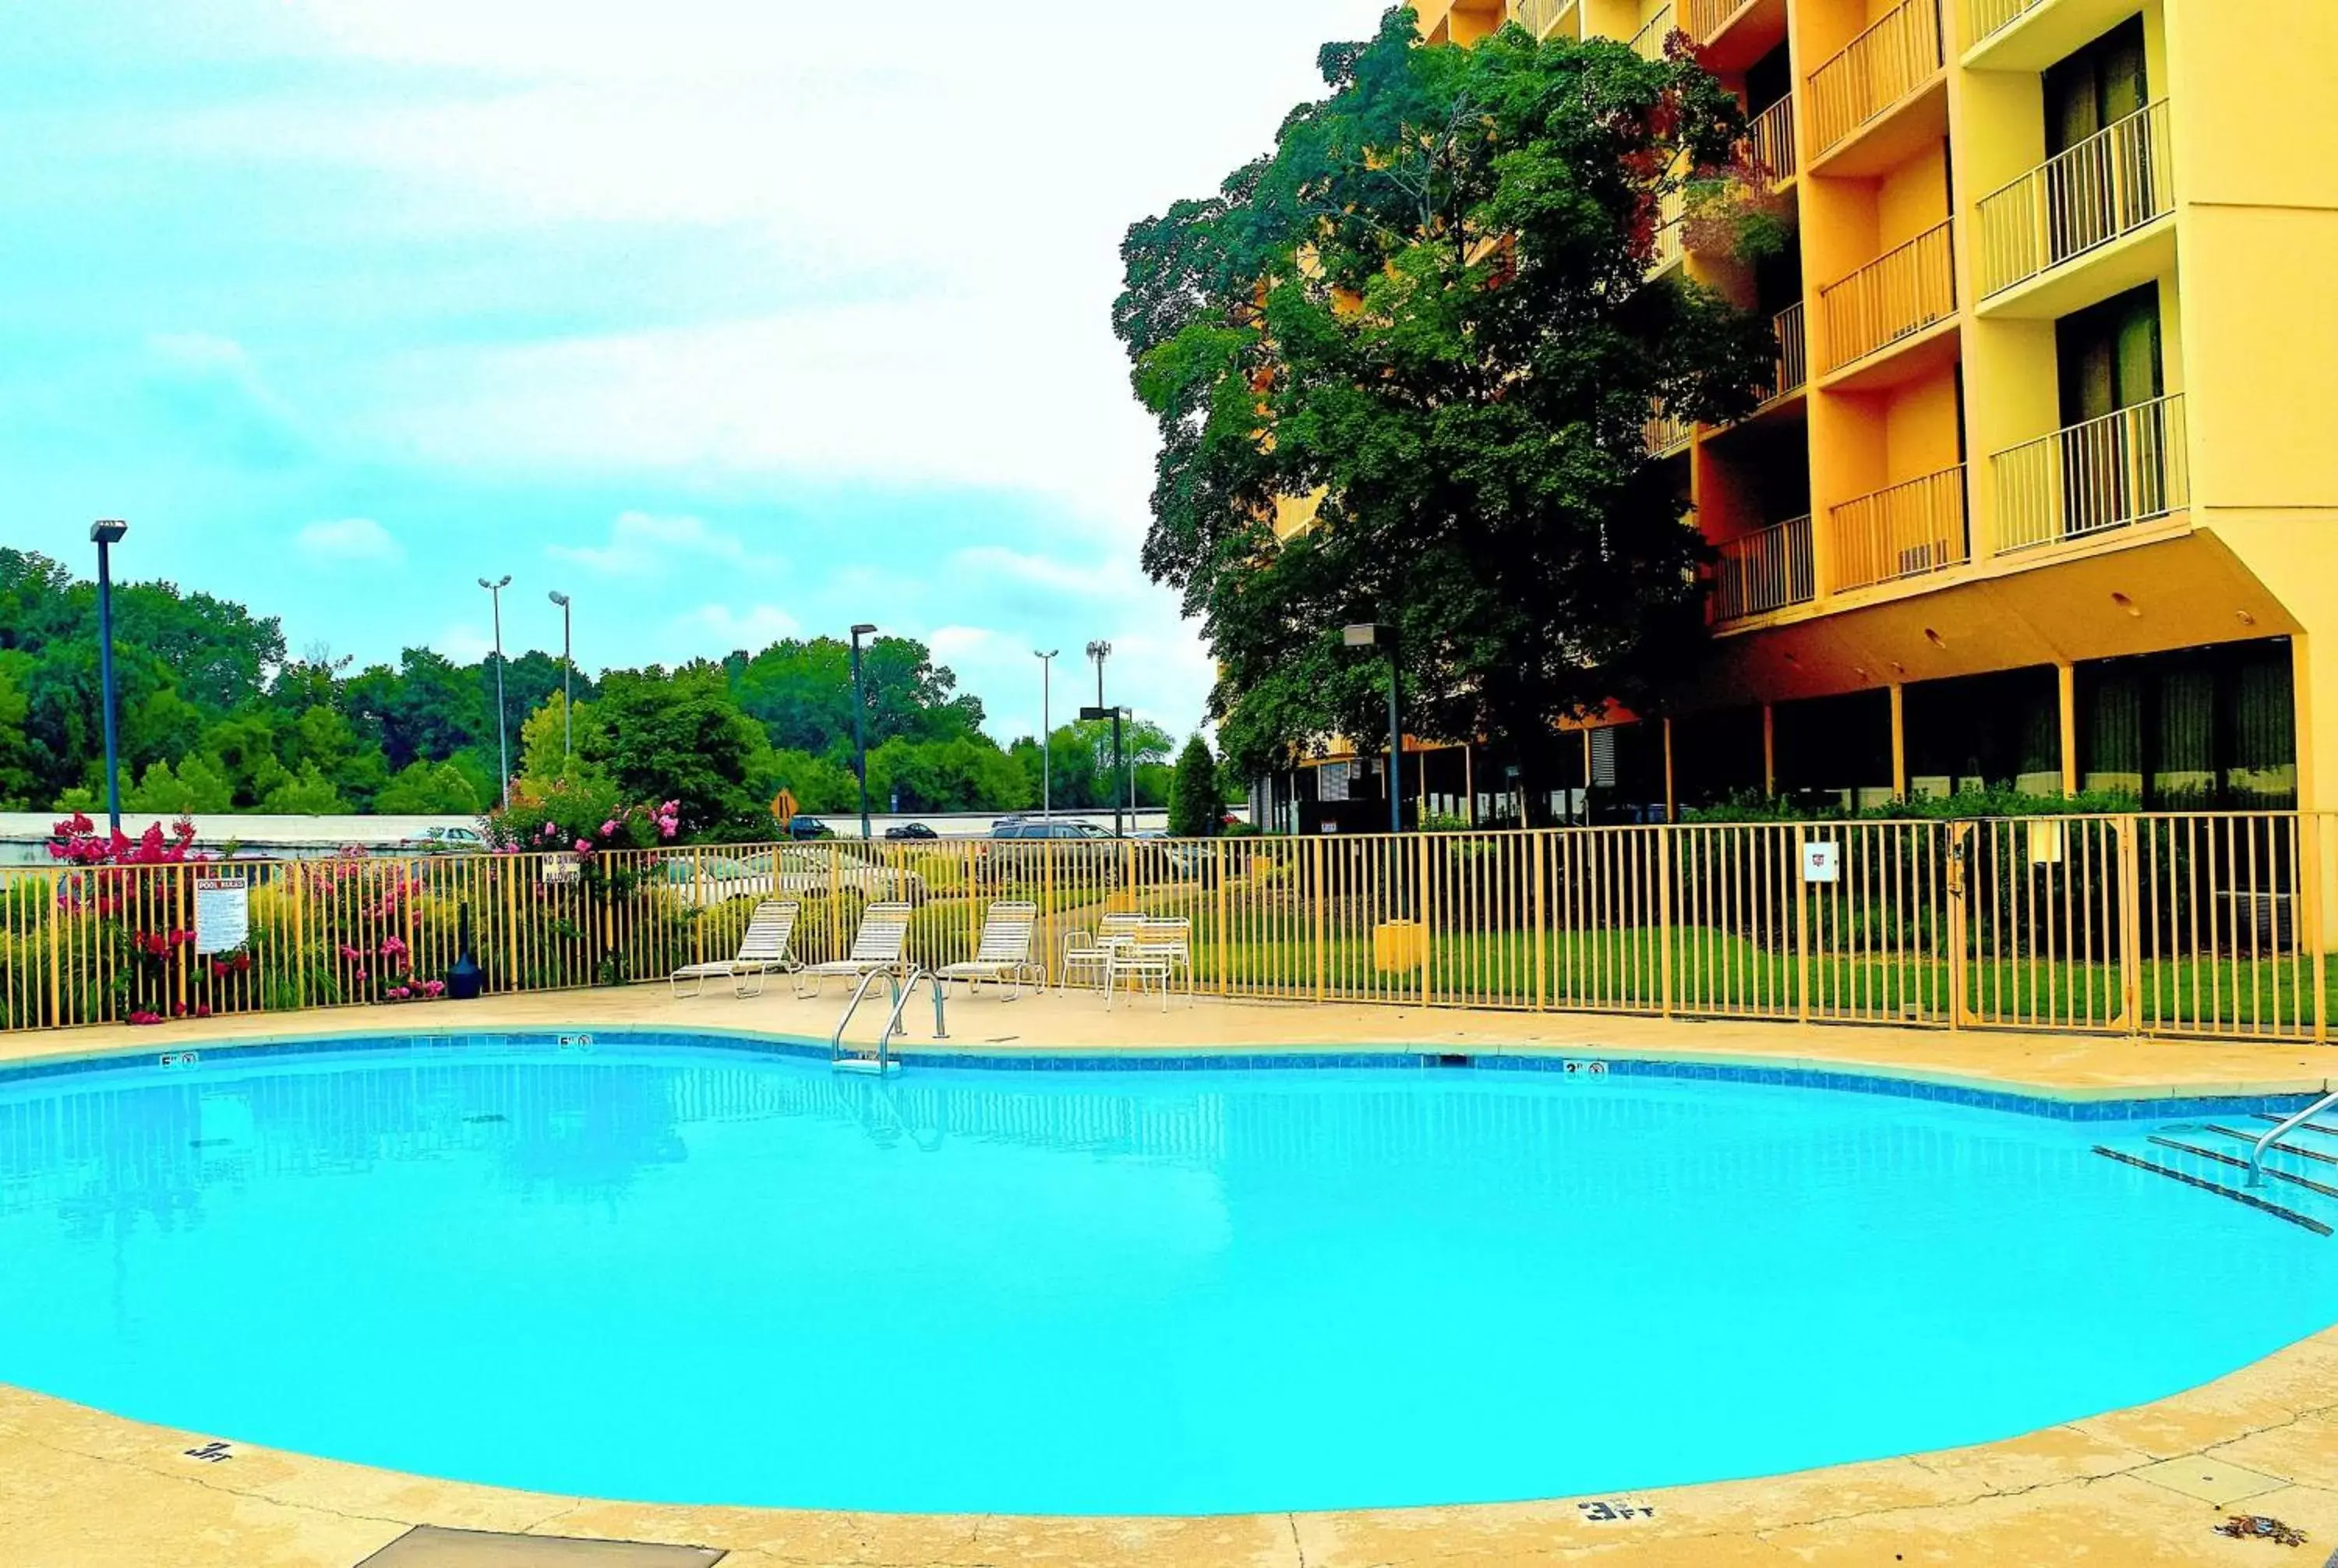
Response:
column 503, row 744
column 1376, row 635
column 1116, row 715
column 1101, row 651
column 859, row 737
column 567, row 668
column 105, row 535
column 1046, row 755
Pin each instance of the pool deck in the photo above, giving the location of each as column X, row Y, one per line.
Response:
column 2131, row 1489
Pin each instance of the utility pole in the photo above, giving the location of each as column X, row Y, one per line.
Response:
column 1046, row 752
column 567, row 669
column 1101, row 651
column 105, row 537
column 860, row 736
column 503, row 739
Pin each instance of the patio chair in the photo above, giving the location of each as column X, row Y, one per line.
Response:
column 1090, row 952
column 762, row 947
column 876, row 950
column 1154, row 950
column 1003, row 956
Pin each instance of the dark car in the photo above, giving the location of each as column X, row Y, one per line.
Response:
column 809, row 827
column 1022, row 846
column 911, row 830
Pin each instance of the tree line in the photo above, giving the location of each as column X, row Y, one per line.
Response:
column 216, row 716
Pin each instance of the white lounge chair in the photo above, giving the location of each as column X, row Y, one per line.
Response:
column 876, row 950
column 762, row 949
column 1155, row 950
column 1003, row 956
column 1090, row 952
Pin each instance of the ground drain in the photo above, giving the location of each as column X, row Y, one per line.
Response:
column 490, row 1116
column 428, row 1546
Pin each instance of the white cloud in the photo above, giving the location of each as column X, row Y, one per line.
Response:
column 712, row 630
column 463, row 643
column 643, row 546
column 350, row 541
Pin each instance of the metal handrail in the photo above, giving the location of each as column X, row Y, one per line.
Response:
column 901, row 995
column 2257, row 1149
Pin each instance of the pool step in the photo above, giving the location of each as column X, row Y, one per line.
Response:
column 2173, row 1173
column 2235, row 1161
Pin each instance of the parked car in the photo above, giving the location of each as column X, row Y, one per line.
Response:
column 448, row 841
column 804, row 871
column 910, row 830
column 1021, row 847
column 804, row 827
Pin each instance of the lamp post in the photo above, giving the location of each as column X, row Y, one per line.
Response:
column 105, row 535
column 1046, row 753
column 1378, row 635
column 567, row 669
column 859, row 735
column 1101, row 651
column 503, row 741
column 1116, row 715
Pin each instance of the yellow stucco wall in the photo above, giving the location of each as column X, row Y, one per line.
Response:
column 2249, row 320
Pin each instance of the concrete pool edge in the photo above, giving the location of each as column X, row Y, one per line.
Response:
column 82, row 1489
column 2004, row 1093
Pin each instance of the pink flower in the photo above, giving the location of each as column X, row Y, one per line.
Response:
column 608, row 829
column 393, row 946
column 144, row 1018
column 584, row 846
column 202, row 1009
column 551, row 830
column 358, row 978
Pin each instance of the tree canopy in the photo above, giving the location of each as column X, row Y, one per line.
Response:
column 1428, row 315
column 217, row 716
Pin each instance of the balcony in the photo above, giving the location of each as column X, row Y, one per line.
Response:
column 1549, row 18
column 1902, row 531
column 1763, row 572
column 2109, row 185
column 1648, row 43
column 1669, row 245
column 1987, row 18
column 1875, row 71
column 1666, row 434
column 1770, row 141
column 2126, row 467
column 1897, row 295
column 1702, row 19
column 1793, row 355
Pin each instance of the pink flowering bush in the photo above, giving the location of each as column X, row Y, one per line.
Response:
column 583, row 819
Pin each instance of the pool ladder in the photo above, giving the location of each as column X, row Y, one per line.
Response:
column 850, row 1059
column 2257, row 1153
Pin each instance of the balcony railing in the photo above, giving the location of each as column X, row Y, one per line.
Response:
column 1793, row 353
column 1648, row 43
column 1902, row 531
column 1770, row 140
column 2112, row 183
column 1548, row 18
column 1984, row 18
column 1702, row 19
column 1898, row 294
column 2126, row 467
column 1765, row 571
column 1666, row 435
column 1875, row 69
column 1670, row 243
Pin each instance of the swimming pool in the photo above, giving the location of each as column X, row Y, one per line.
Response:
column 699, row 1273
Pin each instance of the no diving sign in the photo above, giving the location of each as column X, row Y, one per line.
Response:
column 1822, row 862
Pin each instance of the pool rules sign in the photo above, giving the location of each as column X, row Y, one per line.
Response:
column 222, row 914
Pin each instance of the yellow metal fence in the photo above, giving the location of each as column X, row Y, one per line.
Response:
column 2191, row 924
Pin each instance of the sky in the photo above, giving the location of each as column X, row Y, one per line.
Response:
column 734, row 319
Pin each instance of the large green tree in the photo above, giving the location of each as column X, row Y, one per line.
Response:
column 1430, row 307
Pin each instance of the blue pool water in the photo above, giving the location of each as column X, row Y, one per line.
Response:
column 701, row 1275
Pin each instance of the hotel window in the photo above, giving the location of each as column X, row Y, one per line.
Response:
column 2205, row 728
column 2097, row 87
